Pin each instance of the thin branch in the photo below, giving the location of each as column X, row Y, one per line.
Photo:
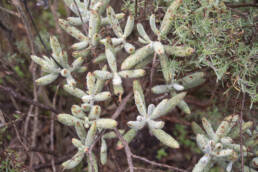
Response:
column 240, row 5
column 10, row 12
column 135, row 8
column 79, row 12
column 37, row 32
column 8, row 124
column 121, row 107
column 157, row 164
column 27, row 100
column 52, row 132
column 241, row 133
column 127, row 150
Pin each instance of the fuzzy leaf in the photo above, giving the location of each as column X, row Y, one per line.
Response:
column 77, row 111
column 77, row 63
column 197, row 129
column 91, row 83
column 159, row 110
column 114, row 22
column 129, row 26
column 202, row 142
column 67, row 119
column 138, row 56
column 156, row 124
column 103, row 75
column 111, row 59
column 129, row 48
column 80, row 130
column 208, row 128
column 103, row 152
column 179, row 51
column 80, row 45
column 159, row 89
column 95, row 112
column 165, row 138
column 81, row 53
column 77, row 143
column 47, row 79
column 140, row 103
column 142, row 33
column 91, row 135
column 102, row 96
column 74, row 161
column 74, row 32
column 74, row 91
column 132, row 73
column 106, row 123
column 153, row 25
column 169, row 17
column 192, row 80
column 202, row 164
column 172, row 102
column 137, row 125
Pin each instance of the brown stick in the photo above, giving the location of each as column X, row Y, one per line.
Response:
column 157, row 164
column 27, row 100
column 127, row 150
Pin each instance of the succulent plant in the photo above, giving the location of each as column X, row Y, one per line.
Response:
column 218, row 146
column 85, row 7
column 147, row 117
column 121, row 36
column 83, row 148
column 93, row 94
column 104, row 148
column 187, row 82
column 90, row 13
column 114, row 74
column 53, row 69
column 157, row 47
column 81, row 122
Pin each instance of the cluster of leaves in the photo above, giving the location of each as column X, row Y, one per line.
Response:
column 194, row 34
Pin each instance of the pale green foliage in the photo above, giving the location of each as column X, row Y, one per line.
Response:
column 186, row 82
column 219, row 146
column 114, row 74
column 93, row 94
column 147, row 117
column 50, row 66
column 156, row 47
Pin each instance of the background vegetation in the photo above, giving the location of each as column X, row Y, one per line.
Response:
column 224, row 36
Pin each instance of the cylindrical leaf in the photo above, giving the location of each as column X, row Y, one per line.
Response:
column 132, row 73
column 106, row 123
column 47, row 79
column 67, row 119
column 137, row 57
column 74, row 161
column 165, row 138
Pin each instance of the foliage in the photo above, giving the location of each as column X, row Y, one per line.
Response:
column 191, row 40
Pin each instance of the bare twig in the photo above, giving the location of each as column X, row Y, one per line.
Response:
column 121, row 107
column 26, row 23
column 79, row 12
column 157, row 164
column 241, row 133
column 127, row 150
column 27, row 100
column 10, row 12
column 52, row 147
column 12, row 122
column 240, row 5
column 135, row 8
